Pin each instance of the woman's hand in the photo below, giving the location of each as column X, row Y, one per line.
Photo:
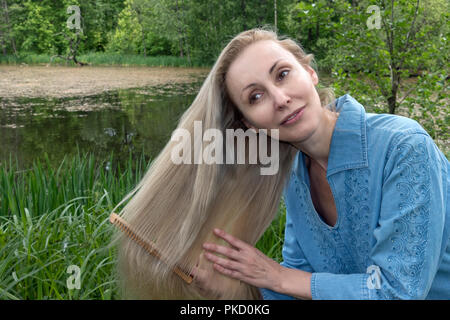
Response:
column 245, row 262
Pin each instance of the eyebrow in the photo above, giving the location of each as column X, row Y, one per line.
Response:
column 270, row 71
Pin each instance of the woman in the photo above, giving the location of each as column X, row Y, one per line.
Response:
column 363, row 192
column 378, row 187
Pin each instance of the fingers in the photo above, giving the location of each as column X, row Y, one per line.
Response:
column 231, row 253
column 235, row 257
column 229, row 264
column 231, row 273
column 235, row 242
column 226, row 251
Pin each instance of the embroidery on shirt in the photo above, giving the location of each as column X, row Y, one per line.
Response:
column 324, row 238
column 408, row 243
column 357, row 213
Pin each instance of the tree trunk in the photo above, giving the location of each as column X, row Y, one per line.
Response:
column 275, row 14
column 180, row 34
column 2, row 43
column 244, row 15
column 181, row 47
column 261, row 12
column 185, row 38
column 317, row 25
column 392, row 104
column 392, row 100
column 73, row 50
column 141, row 23
column 317, row 28
column 143, row 43
column 8, row 26
column 187, row 51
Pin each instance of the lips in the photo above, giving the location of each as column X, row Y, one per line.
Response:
column 293, row 115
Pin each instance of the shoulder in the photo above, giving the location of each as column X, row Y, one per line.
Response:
column 402, row 140
column 384, row 126
column 414, row 153
column 392, row 130
column 392, row 124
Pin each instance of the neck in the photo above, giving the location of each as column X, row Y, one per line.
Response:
column 317, row 146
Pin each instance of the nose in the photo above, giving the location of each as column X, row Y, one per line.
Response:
column 280, row 98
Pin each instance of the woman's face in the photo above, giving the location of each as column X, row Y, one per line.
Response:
column 269, row 85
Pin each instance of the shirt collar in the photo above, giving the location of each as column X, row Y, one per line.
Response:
column 348, row 148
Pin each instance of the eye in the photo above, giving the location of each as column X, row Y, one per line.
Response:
column 252, row 97
column 283, row 74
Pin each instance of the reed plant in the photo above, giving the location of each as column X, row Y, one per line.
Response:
column 54, row 227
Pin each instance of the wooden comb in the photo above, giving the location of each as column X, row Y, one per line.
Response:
column 149, row 247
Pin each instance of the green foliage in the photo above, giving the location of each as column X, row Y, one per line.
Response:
column 334, row 31
column 429, row 106
column 128, row 35
column 313, row 25
column 374, row 64
column 158, row 45
column 38, row 27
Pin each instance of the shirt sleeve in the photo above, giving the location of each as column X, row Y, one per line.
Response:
column 293, row 257
column 410, row 229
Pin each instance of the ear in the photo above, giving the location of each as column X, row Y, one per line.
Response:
column 313, row 74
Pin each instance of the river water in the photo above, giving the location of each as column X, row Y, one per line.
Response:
column 126, row 121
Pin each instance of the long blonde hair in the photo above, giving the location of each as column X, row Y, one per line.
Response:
column 176, row 206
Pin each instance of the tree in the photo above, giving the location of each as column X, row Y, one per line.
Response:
column 142, row 10
column 314, row 24
column 140, row 30
column 72, row 52
column 127, row 36
column 6, row 30
column 400, row 46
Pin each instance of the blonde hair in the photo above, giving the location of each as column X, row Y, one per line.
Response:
column 177, row 206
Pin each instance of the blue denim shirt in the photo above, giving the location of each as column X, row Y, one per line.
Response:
column 390, row 184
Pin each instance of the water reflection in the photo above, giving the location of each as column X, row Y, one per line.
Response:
column 123, row 121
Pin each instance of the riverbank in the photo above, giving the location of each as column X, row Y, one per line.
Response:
column 60, row 81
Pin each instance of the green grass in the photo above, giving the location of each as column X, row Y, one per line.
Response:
column 42, row 188
column 53, row 218
column 103, row 59
column 36, row 253
column 272, row 240
column 31, row 58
